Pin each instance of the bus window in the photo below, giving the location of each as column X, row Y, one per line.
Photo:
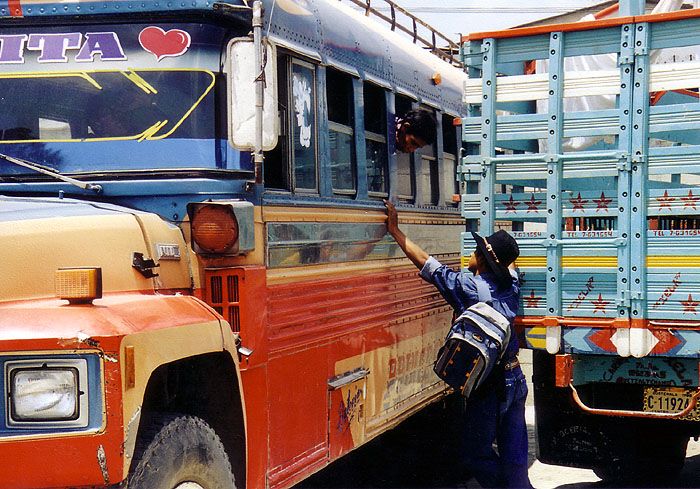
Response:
column 303, row 124
column 375, row 136
column 451, row 134
column 339, row 93
column 428, row 173
column 276, row 167
column 406, row 183
column 297, row 138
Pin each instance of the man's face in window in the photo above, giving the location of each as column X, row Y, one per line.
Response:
column 406, row 141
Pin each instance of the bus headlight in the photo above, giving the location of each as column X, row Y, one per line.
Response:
column 47, row 392
column 44, row 394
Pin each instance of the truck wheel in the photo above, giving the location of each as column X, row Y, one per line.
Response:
column 641, row 472
column 649, row 465
column 180, row 452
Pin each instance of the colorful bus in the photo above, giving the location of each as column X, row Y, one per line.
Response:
column 197, row 288
column 583, row 140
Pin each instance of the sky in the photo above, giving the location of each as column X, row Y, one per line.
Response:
column 455, row 17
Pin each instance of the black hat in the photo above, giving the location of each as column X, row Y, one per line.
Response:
column 500, row 250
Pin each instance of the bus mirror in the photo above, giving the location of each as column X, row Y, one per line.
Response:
column 241, row 74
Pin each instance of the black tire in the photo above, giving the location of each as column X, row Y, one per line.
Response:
column 658, row 460
column 174, row 449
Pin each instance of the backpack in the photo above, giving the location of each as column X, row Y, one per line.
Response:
column 474, row 345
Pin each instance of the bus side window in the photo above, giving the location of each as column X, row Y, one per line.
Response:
column 405, row 166
column 277, row 173
column 303, row 123
column 451, row 134
column 339, row 94
column 427, row 176
column 375, row 136
column 292, row 165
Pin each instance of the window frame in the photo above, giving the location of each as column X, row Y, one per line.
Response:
column 430, row 173
column 452, row 186
column 378, row 138
column 349, row 130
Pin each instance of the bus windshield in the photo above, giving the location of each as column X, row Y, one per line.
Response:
column 114, row 98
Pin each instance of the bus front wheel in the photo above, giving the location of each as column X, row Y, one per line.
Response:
column 180, row 452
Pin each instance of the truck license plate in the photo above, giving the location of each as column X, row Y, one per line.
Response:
column 670, row 400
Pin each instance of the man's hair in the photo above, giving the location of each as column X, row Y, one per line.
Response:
column 421, row 124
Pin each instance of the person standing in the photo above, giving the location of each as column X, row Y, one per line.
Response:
column 495, row 412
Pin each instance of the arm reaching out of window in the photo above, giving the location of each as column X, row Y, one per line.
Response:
column 414, row 252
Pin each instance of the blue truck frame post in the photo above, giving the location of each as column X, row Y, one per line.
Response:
column 582, row 140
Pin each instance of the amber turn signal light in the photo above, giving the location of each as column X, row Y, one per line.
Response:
column 214, row 228
column 222, row 227
column 78, row 285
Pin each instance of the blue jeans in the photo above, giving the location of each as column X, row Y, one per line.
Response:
column 497, row 415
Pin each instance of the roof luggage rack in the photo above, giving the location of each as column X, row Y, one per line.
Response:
column 449, row 53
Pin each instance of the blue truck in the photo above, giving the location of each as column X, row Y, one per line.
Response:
column 582, row 140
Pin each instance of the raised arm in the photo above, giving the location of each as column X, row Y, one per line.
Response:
column 414, row 252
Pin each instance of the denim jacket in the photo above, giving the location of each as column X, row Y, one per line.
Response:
column 459, row 289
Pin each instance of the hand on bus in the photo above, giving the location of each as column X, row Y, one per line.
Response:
column 392, row 218
column 414, row 252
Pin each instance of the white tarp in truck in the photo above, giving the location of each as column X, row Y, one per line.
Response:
column 607, row 62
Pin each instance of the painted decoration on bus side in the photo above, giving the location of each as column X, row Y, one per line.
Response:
column 161, row 44
column 302, row 107
column 62, row 47
column 54, row 47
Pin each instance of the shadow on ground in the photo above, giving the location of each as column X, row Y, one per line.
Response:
column 419, row 453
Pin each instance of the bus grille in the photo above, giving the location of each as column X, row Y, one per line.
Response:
column 223, row 295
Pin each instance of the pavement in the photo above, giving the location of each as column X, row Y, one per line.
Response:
column 544, row 476
column 405, row 458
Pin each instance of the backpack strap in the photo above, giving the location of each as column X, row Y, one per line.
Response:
column 483, row 290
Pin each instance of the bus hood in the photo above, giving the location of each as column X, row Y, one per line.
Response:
column 40, row 235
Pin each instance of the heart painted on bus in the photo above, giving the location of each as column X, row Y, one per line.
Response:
column 162, row 44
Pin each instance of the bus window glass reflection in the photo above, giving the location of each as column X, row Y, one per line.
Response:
column 428, row 172
column 406, row 175
column 339, row 93
column 375, row 135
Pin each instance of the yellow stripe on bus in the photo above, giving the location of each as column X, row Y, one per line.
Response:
column 673, row 261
